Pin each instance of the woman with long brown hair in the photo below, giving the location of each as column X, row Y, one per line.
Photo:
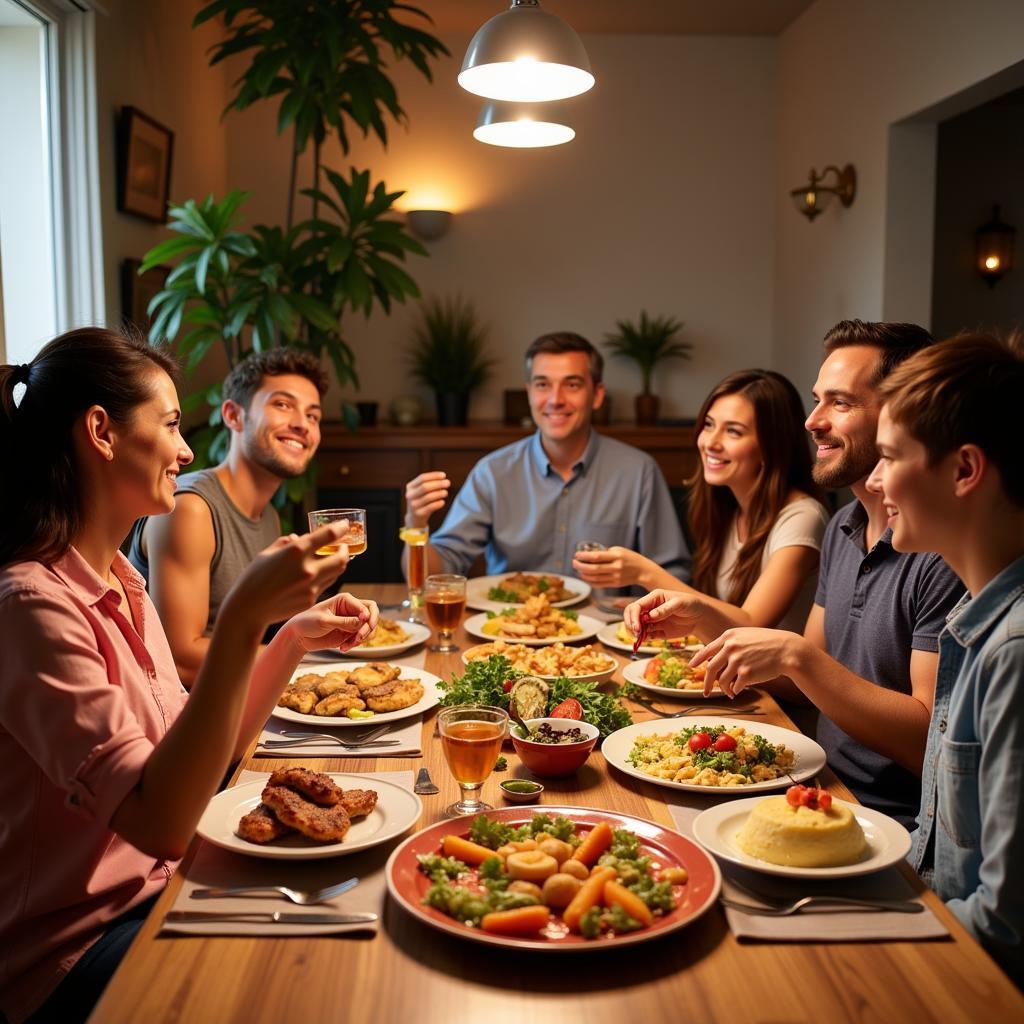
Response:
column 754, row 511
column 108, row 762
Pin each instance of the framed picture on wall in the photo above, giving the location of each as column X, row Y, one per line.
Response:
column 137, row 292
column 143, row 165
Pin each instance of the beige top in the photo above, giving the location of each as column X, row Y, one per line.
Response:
column 801, row 523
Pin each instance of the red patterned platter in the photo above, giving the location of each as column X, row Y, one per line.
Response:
column 407, row 884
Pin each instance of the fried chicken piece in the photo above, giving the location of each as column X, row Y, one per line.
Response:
column 303, row 702
column 394, row 696
column 324, row 824
column 376, row 673
column 320, row 788
column 261, row 825
column 338, row 704
column 310, row 681
column 343, row 689
column 359, row 802
column 335, row 682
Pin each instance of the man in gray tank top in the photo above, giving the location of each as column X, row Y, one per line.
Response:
column 223, row 516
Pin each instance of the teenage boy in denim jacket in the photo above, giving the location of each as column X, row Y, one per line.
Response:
column 952, row 480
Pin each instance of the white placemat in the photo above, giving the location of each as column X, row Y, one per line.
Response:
column 213, row 866
column 816, row 925
column 408, row 733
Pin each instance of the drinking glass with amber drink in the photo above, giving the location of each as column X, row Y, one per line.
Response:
column 354, row 537
column 415, row 540
column 471, row 738
column 445, row 597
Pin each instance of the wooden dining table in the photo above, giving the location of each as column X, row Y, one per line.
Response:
column 410, row 973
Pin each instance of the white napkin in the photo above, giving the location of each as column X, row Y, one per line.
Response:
column 817, row 925
column 408, row 732
column 213, row 866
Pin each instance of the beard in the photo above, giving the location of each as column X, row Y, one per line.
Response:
column 266, row 458
column 853, row 463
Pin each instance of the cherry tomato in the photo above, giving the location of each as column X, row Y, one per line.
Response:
column 569, row 708
column 508, row 684
column 794, row 795
column 725, row 742
column 699, row 741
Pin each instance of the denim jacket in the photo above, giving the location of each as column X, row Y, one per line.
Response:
column 970, row 838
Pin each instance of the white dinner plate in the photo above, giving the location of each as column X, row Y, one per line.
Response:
column 586, row 677
column 607, row 635
column 417, row 633
column 431, row 695
column 810, row 758
column 633, row 672
column 588, row 630
column 715, row 829
column 478, row 586
column 396, row 812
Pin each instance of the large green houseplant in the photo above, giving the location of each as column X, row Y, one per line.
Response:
column 448, row 355
column 647, row 343
column 245, row 290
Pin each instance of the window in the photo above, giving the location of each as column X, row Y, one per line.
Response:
column 50, row 242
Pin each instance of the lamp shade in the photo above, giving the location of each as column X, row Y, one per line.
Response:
column 428, row 224
column 995, row 244
column 526, row 54
column 521, row 126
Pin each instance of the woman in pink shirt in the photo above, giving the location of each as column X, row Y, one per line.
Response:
column 107, row 766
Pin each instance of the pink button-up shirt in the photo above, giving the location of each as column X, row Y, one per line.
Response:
column 85, row 695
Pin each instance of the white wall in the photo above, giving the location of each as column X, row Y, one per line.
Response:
column 846, row 74
column 663, row 202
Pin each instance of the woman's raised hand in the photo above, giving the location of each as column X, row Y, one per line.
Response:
column 288, row 576
column 664, row 613
column 613, row 567
column 341, row 621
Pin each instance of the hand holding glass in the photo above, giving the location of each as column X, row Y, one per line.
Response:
column 471, row 737
column 445, row 595
column 355, row 536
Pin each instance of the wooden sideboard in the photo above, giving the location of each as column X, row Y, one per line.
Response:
column 370, row 468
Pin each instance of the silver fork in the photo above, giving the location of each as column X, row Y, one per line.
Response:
column 323, row 737
column 304, row 897
column 363, row 737
column 795, row 906
column 747, row 709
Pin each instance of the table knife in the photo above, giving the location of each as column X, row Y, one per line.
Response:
column 265, row 917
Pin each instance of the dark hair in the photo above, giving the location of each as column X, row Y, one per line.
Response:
column 41, row 510
column 245, row 379
column 786, row 466
column 896, row 341
column 566, row 341
column 965, row 390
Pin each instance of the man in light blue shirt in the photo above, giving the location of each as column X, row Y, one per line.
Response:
column 526, row 506
column 952, row 481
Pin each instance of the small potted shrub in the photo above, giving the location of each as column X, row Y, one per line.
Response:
column 448, row 355
column 647, row 344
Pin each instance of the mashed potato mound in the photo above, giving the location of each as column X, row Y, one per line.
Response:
column 802, row 837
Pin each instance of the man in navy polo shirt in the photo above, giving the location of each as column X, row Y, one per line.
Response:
column 869, row 653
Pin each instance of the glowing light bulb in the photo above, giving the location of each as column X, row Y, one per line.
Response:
column 991, row 262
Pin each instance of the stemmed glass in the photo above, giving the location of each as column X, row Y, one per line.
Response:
column 471, row 737
column 355, row 537
column 415, row 540
column 445, row 595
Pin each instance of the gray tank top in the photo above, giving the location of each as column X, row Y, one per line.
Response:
column 237, row 538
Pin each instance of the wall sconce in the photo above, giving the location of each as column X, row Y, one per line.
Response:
column 995, row 248
column 526, row 54
column 521, row 126
column 812, row 198
column 429, row 225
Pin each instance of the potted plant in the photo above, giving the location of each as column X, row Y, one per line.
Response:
column 648, row 343
column 447, row 355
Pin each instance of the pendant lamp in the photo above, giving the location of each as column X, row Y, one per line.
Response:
column 521, row 126
column 526, row 54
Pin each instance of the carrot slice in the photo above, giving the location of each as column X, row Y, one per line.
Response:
column 588, row 895
column 519, row 921
column 599, row 839
column 616, row 894
column 466, row 851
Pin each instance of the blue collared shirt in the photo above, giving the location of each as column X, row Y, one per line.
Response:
column 518, row 510
column 970, row 838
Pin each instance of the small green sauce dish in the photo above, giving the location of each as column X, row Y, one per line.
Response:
column 520, row 791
